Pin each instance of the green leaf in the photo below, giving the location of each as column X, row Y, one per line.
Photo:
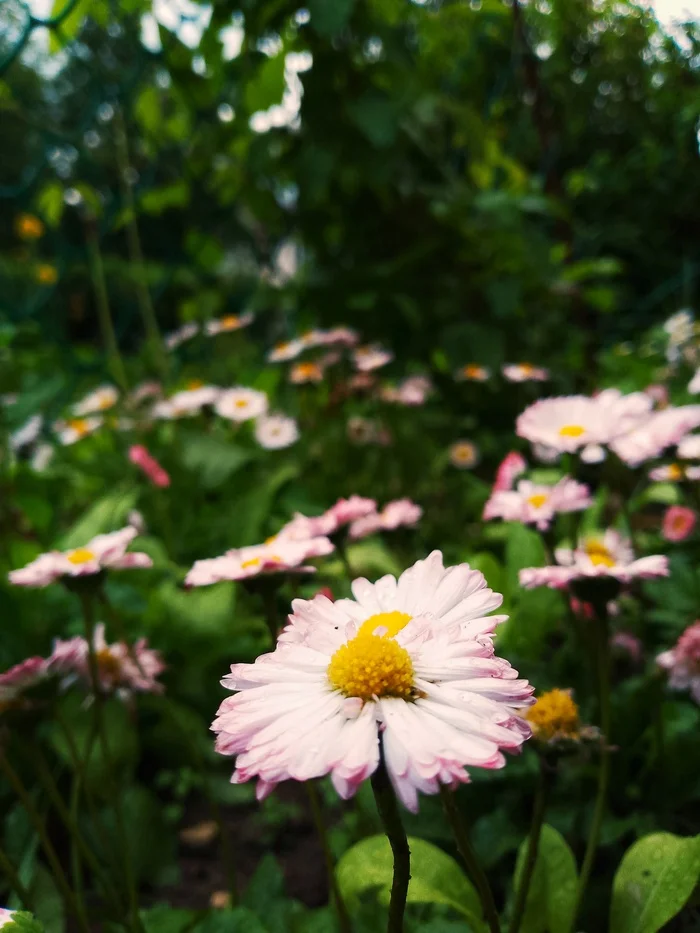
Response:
column 435, row 877
column 524, row 548
column 50, row 202
column 70, row 24
column 214, row 461
column 552, row 894
column 238, row 920
column 108, row 514
column 656, row 877
column 376, row 117
column 160, row 199
column 47, row 902
column 164, row 919
column 23, row 922
column 330, row 16
column 267, row 86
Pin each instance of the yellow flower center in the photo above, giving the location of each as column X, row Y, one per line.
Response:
column 598, row 554
column 373, row 664
column 80, row 426
column 675, row 472
column 105, row 401
column 281, row 347
column 29, row 227
column 463, row 452
column 308, row 370
column 108, row 665
column 46, row 275
column 194, row 384
column 241, row 403
column 554, row 715
column 80, row 555
column 538, row 500
column 527, row 368
column 253, row 562
column 473, row 372
column 572, row 430
column 230, row 322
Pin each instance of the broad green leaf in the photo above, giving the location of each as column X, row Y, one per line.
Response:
column 47, row 902
column 214, row 461
column 552, row 893
column 71, row 15
column 436, row 878
column 24, row 922
column 267, row 86
column 524, row 548
column 330, row 16
column 160, row 199
column 201, row 609
column 656, row 877
column 51, row 204
column 238, row 920
column 376, row 117
column 108, row 514
column 164, row 919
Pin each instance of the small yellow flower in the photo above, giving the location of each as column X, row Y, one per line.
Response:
column 554, row 717
column 46, row 274
column 29, row 227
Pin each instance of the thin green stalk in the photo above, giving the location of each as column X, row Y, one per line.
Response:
column 76, row 908
column 76, row 867
column 474, row 869
column 538, row 810
column 16, row 884
column 319, row 823
column 396, row 834
column 269, row 598
column 89, row 621
column 134, row 243
column 103, row 312
column 603, row 664
column 70, row 822
column 345, row 561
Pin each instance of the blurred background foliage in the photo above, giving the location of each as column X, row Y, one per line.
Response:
column 483, row 180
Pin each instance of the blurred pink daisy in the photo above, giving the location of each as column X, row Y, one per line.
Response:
column 406, row 667
column 394, row 515
column 512, row 466
column 104, row 552
column 689, row 447
column 141, row 458
column 464, row 455
column 302, row 527
column 287, row 350
column 413, row 391
column 536, row 503
column 14, row 681
column 569, row 423
column 344, row 336
column 274, row 432
column 228, row 323
column 241, row 404
column 683, row 662
column 281, row 554
column 524, row 372
column 606, row 555
column 472, row 372
column 678, row 523
column 306, row 372
column 674, row 473
column 181, row 335
column 121, row 668
column 371, row 357
column 657, row 432
column 100, row 399
column 186, row 402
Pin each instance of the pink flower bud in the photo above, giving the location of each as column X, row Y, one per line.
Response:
column 141, row 458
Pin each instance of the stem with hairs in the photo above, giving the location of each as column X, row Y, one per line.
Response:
column 388, row 808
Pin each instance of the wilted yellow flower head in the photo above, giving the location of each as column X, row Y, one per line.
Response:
column 29, row 227
column 46, row 274
column 554, row 716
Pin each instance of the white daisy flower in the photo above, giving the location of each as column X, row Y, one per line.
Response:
column 100, row 399
column 276, row 431
column 406, row 667
column 75, row 429
column 182, row 334
column 228, row 323
column 241, row 404
column 188, row 401
column 287, row 350
column 371, row 357
column 27, row 434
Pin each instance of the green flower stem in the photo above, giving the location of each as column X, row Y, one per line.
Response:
column 76, row 908
column 103, row 312
column 538, row 810
column 70, row 822
column 319, row 822
column 272, row 617
column 134, row 243
column 16, row 884
column 86, row 600
column 474, row 869
column 342, row 550
column 396, row 834
column 603, row 665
